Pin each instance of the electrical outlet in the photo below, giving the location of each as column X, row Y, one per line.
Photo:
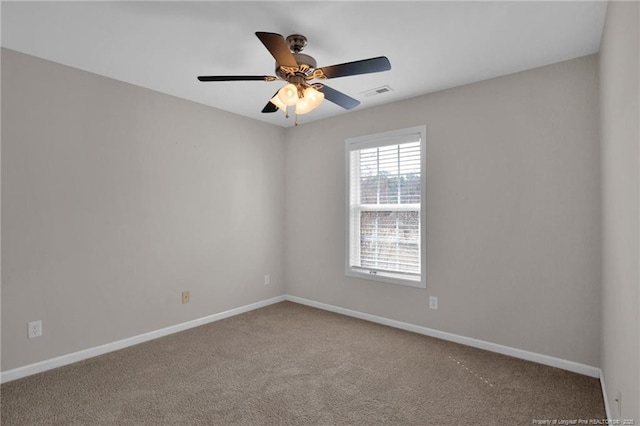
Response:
column 433, row 302
column 267, row 280
column 186, row 297
column 34, row 329
column 618, row 401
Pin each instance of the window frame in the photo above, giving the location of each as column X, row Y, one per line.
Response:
column 392, row 137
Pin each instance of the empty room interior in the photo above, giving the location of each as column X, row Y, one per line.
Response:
column 297, row 213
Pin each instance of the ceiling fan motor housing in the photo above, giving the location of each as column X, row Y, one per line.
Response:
column 306, row 65
column 296, row 42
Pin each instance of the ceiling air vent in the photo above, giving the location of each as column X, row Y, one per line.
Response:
column 378, row 91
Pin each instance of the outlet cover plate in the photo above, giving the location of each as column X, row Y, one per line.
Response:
column 34, row 329
column 433, row 302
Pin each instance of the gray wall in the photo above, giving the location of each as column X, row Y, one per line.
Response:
column 513, row 211
column 116, row 198
column 620, row 138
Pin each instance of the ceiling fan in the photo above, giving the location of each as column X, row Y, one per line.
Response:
column 298, row 69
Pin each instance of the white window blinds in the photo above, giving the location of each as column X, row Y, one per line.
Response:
column 385, row 202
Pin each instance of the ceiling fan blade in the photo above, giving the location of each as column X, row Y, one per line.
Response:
column 277, row 46
column 270, row 106
column 236, row 78
column 339, row 98
column 364, row 66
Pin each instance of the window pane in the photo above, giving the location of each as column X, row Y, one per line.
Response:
column 390, row 174
column 390, row 240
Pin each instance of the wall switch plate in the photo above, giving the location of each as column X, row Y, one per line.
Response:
column 186, row 297
column 267, row 280
column 433, row 302
column 34, row 329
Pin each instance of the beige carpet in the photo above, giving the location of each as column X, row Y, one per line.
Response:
column 289, row 364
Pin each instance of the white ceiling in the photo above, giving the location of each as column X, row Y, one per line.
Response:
column 431, row 45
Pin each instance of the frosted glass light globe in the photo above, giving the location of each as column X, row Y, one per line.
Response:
column 288, row 94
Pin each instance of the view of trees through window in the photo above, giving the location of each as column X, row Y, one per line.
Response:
column 389, row 208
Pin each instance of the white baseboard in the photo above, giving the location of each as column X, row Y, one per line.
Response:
column 607, row 410
column 39, row 367
column 575, row 367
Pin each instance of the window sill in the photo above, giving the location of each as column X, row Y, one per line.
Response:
column 386, row 278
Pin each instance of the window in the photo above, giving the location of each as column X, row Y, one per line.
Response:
column 385, row 206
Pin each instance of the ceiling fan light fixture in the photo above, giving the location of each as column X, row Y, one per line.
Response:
column 303, row 106
column 315, row 97
column 311, row 100
column 288, row 94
